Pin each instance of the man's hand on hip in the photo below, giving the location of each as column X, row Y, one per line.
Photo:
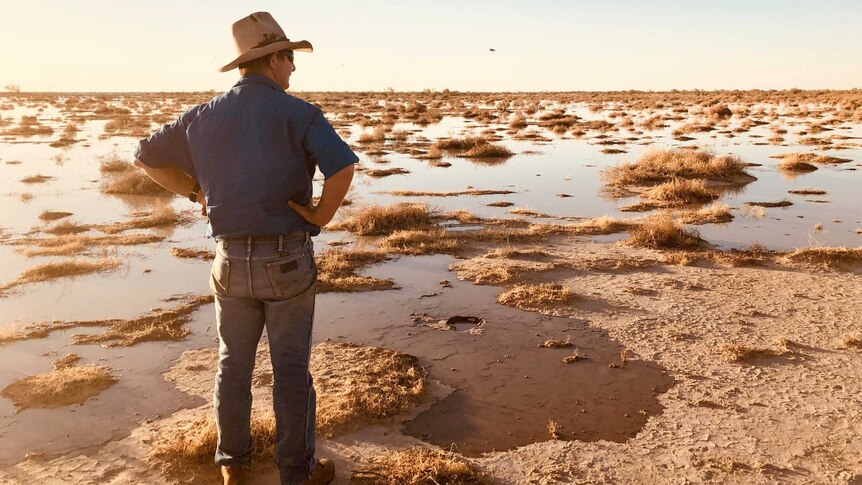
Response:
column 310, row 213
column 334, row 190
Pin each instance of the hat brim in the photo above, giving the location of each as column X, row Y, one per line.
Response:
column 252, row 54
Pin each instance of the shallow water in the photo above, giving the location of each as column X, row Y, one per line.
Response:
column 478, row 411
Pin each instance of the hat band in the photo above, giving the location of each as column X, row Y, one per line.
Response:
column 270, row 38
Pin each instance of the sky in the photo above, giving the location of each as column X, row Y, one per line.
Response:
column 408, row 45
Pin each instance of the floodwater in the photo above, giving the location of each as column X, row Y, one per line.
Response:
column 506, row 389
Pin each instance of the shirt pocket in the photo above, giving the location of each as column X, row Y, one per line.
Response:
column 293, row 274
column 220, row 276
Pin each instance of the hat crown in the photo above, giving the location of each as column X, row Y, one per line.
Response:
column 255, row 31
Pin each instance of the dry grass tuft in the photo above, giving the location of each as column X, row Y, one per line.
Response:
column 832, row 258
column 678, row 192
column 354, row 385
column 61, row 269
column 473, row 147
column 417, row 193
column 336, row 271
column 662, row 232
column 36, row 179
column 385, row 172
column 186, row 253
column 527, row 297
column 807, row 192
column 385, row 220
column 794, row 163
column 67, row 228
column 417, row 466
column 714, row 214
column 163, row 217
column 575, row 356
column 421, row 242
column 779, row 203
column 809, row 158
column 658, row 166
column 49, row 215
column 357, row 384
column 72, row 245
column 68, row 361
column 62, row 386
column 160, row 325
column 556, row 344
column 132, row 182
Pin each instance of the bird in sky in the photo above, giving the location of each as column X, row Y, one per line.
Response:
column 493, row 50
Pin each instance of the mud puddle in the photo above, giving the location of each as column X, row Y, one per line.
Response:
column 507, row 389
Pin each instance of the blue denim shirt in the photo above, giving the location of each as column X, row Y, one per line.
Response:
column 252, row 149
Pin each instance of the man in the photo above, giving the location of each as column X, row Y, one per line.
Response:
column 248, row 157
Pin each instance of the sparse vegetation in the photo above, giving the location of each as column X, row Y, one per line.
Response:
column 417, row 466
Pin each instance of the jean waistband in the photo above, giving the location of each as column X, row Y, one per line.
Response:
column 281, row 240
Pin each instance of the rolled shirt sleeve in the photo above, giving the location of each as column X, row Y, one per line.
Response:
column 325, row 148
column 168, row 147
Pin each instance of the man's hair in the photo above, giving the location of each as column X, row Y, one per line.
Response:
column 259, row 64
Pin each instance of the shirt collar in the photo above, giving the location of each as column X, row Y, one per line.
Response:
column 258, row 79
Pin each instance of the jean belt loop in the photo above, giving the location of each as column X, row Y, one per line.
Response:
column 280, row 243
column 248, row 245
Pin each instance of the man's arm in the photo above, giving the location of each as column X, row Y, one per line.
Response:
column 334, row 190
column 174, row 180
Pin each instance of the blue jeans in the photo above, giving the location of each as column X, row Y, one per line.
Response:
column 265, row 282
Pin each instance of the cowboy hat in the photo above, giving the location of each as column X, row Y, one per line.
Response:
column 259, row 35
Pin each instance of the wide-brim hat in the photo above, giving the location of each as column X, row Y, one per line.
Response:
column 259, row 35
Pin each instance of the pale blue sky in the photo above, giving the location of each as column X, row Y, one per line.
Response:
column 156, row 45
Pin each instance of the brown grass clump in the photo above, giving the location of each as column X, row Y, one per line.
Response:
column 160, row 325
column 71, row 245
column 336, row 271
column 473, row 147
column 793, row 163
column 488, row 150
column 417, row 466
column 354, row 385
column 163, row 217
column 658, row 166
column 384, row 220
column 714, row 214
column 68, row 361
column 809, row 158
column 49, row 215
column 385, row 172
column 186, row 253
column 62, row 386
column 417, row 193
column 780, row 203
column 528, row 297
column 69, row 248
column 67, row 228
column 833, row 258
column 754, row 255
column 132, row 182
column 357, row 384
column 556, row 344
column 421, row 242
column 113, row 164
column 680, row 192
column 575, row 356
column 62, row 269
column 662, row 232
column 807, row 192
column 36, row 179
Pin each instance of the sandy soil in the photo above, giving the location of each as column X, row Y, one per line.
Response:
column 790, row 418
